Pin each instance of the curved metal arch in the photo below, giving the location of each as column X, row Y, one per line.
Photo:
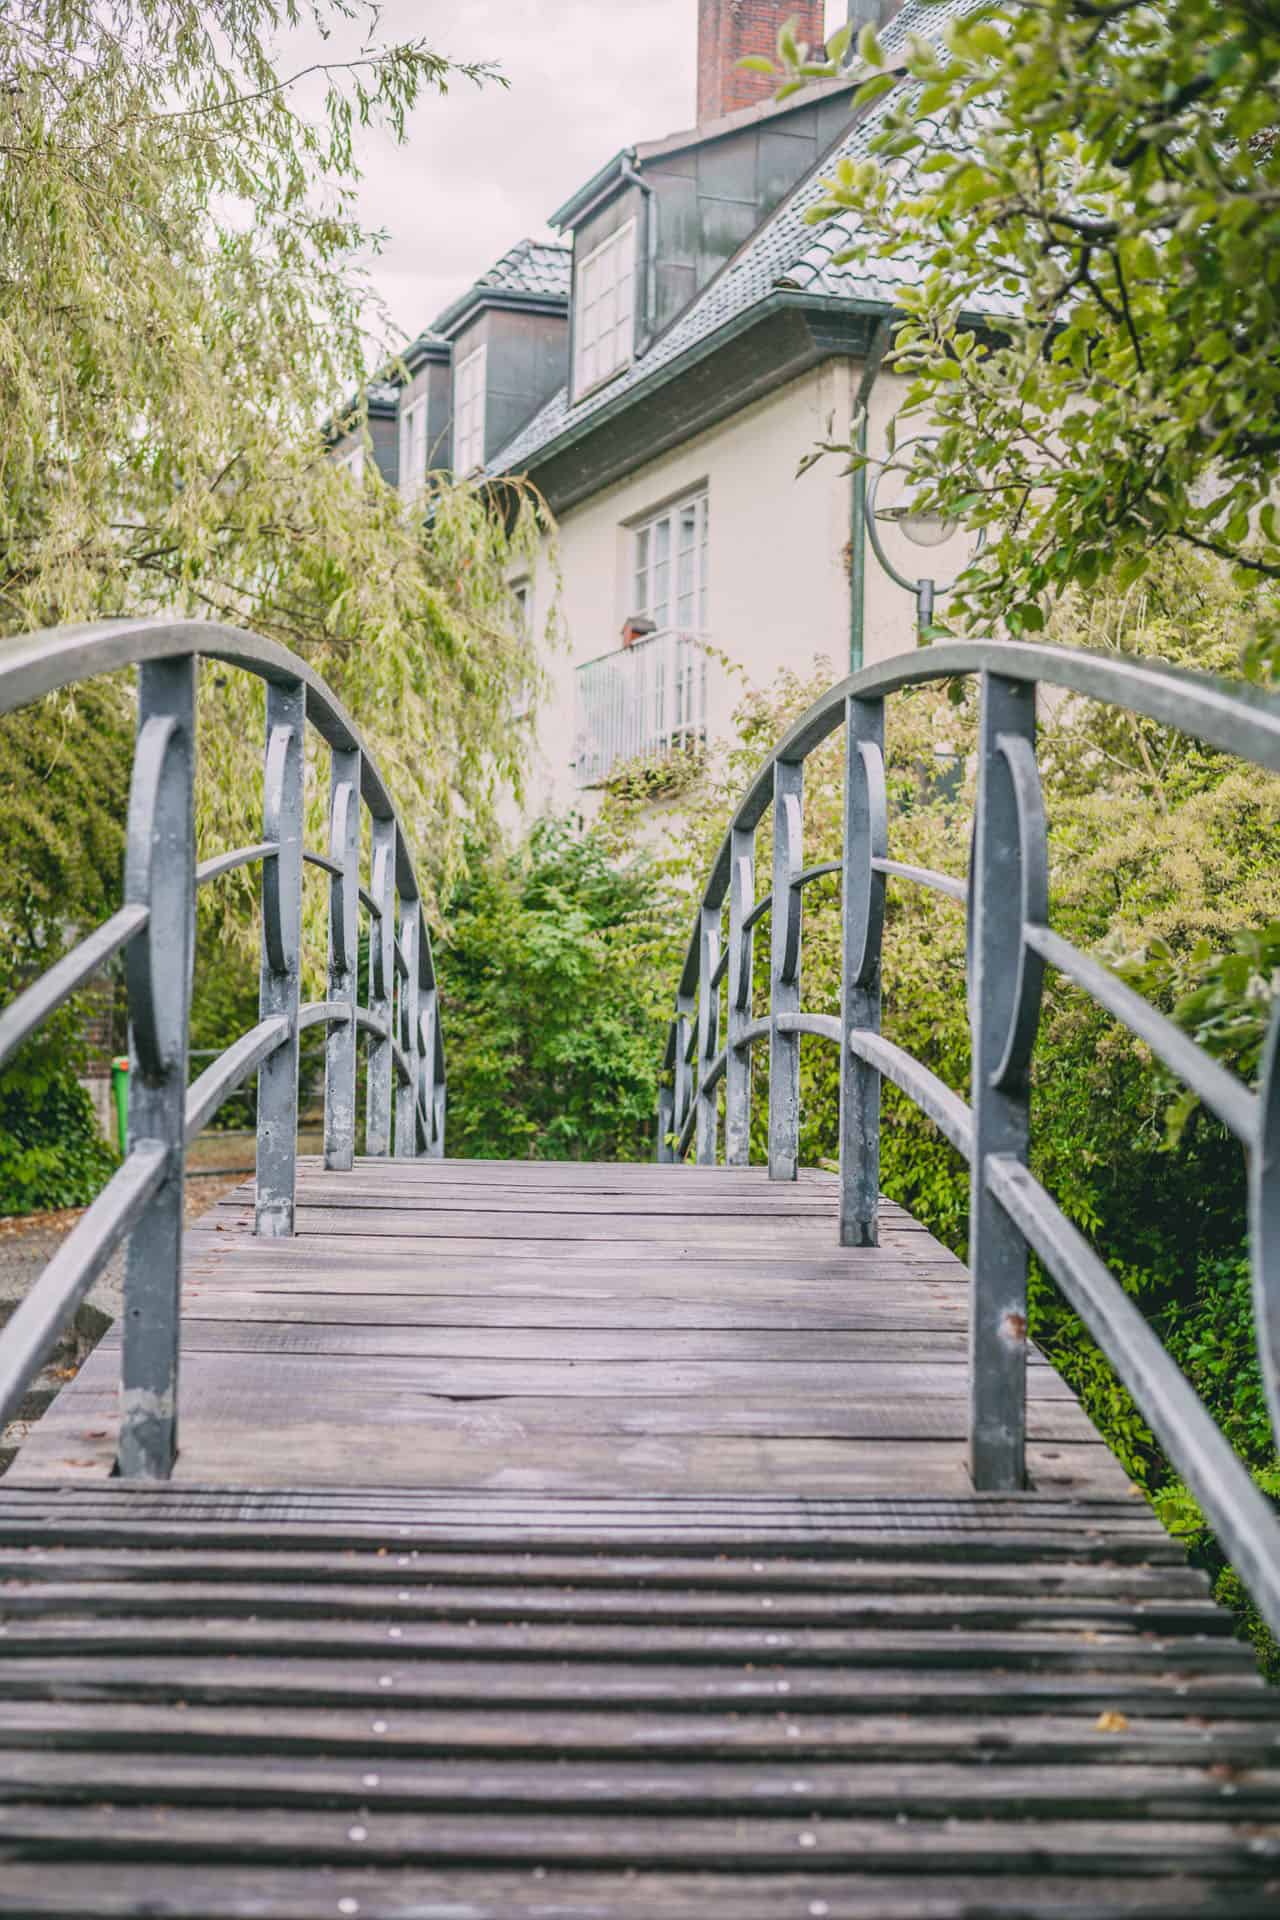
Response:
column 1012, row 1214
column 1227, row 714
column 35, row 664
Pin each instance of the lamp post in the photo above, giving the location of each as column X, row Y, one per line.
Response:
column 923, row 526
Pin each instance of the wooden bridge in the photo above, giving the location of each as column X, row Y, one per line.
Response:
column 563, row 1540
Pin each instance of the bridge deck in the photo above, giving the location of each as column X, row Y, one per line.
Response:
column 625, row 1566
column 576, row 1329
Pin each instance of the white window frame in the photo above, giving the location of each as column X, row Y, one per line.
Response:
column 413, row 444
column 599, row 351
column 353, row 461
column 469, row 410
column 670, row 563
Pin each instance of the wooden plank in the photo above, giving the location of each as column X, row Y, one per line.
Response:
column 1100, row 1846
column 633, row 1574
column 1026, row 1740
column 107, row 1891
column 832, row 1789
column 941, row 1611
column 1118, row 1648
column 379, row 1687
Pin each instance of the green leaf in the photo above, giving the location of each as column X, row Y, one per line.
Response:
column 870, row 51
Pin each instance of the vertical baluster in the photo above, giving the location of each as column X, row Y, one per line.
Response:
column 784, row 975
column 433, row 1082
column 1001, row 1113
column 407, row 1090
column 277, row 1150
column 439, row 1088
column 159, row 872
column 344, row 949
column 737, row 1073
column 666, row 1098
column 865, row 839
column 684, row 1071
column 380, row 1071
column 706, row 1126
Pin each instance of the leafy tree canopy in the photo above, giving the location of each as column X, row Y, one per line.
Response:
column 1101, row 179
column 182, row 310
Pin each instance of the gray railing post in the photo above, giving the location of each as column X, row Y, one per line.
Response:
column 784, row 971
column 737, row 1066
column 865, row 835
column 344, row 950
column 684, row 1071
column 666, row 1100
column 277, row 1148
column 433, row 1086
column 160, row 874
column 407, row 1090
column 380, row 1068
column 1001, row 1103
column 707, row 1124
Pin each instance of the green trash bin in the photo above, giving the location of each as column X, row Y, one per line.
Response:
column 120, row 1088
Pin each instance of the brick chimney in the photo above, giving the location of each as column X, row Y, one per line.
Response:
column 729, row 30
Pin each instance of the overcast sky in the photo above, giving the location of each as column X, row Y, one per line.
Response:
column 479, row 170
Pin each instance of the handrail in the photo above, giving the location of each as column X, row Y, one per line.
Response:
column 142, row 1206
column 1010, row 942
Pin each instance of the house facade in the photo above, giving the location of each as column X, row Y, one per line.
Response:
column 661, row 376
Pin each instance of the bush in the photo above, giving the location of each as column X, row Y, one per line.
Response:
column 52, row 1153
column 554, row 970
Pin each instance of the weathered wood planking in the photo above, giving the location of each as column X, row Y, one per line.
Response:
column 585, row 1543
column 573, row 1328
column 387, row 1703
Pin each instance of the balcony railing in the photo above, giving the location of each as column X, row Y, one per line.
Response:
column 644, row 700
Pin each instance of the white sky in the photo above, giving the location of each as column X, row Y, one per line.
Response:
column 479, row 170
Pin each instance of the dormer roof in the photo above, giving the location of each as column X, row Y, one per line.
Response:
column 533, row 273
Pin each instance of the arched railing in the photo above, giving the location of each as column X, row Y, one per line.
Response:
column 1010, row 943
column 155, row 928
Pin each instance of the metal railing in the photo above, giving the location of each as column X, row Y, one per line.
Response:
column 646, row 699
column 1010, row 943
column 405, row 1073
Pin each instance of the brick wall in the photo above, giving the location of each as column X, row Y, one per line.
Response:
column 729, row 30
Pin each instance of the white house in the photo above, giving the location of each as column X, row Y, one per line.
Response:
column 660, row 377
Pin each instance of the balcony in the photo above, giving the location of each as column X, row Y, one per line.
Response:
column 642, row 702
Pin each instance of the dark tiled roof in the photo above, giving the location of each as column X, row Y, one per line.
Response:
column 532, row 266
column 785, row 252
column 534, row 269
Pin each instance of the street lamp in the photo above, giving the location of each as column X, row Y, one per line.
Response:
column 924, row 526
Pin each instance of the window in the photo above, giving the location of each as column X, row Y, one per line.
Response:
column 413, row 445
column 468, row 412
column 669, row 580
column 353, row 461
column 604, row 307
column 522, row 595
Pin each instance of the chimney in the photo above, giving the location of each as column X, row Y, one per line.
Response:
column 729, row 30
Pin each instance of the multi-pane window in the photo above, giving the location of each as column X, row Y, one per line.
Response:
column 604, row 307
column 468, row 412
column 413, row 445
column 669, row 581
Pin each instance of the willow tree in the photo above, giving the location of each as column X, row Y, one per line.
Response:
column 183, row 311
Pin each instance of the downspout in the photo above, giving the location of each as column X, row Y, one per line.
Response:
column 632, row 175
column 876, row 351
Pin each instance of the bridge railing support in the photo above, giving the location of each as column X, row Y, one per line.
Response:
column 142, row 1205
column 1010, row 943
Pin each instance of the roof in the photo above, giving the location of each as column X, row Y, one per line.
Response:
column 784, row 253
column 580, row 203
column 533, row 271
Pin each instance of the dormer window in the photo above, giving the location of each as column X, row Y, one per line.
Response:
column 468, row 412
column 604, row 308
column 413, row 445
